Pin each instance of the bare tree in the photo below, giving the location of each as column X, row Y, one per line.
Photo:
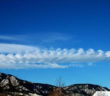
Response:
column 59, row 90
column 60, row 83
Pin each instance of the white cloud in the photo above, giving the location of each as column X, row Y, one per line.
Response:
column 15, row 48
column 22, row 56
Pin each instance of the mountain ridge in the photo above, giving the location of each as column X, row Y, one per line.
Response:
column 12, row 84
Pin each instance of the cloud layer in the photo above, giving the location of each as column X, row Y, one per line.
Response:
column 22, row 56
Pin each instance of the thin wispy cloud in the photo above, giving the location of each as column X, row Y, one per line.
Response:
column 35, row 38
column 22, row 56
column 4, row 37
column 54, row 36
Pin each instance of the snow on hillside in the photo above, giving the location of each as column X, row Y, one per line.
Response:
column 102, row 93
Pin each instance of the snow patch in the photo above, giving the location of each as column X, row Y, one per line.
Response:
column 102, row 93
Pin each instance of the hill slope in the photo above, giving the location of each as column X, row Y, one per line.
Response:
column 12, row 86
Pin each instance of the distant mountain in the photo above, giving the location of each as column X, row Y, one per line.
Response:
column 13, row 86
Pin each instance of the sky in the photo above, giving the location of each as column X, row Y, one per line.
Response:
column 43, row 40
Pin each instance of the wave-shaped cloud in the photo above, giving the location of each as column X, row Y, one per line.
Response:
column 21, row 56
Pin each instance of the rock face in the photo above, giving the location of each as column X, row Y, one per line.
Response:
column 9, row 83
column 13, row 86
column 84, row 89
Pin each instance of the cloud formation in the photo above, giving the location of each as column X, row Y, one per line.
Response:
column 21, row 56
column 45, row 38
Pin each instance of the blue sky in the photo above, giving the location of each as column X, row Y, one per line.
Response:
column 42, row 40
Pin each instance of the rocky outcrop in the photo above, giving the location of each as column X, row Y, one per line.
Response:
column 9, row 83
column 84, row 89
column 14, row 86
